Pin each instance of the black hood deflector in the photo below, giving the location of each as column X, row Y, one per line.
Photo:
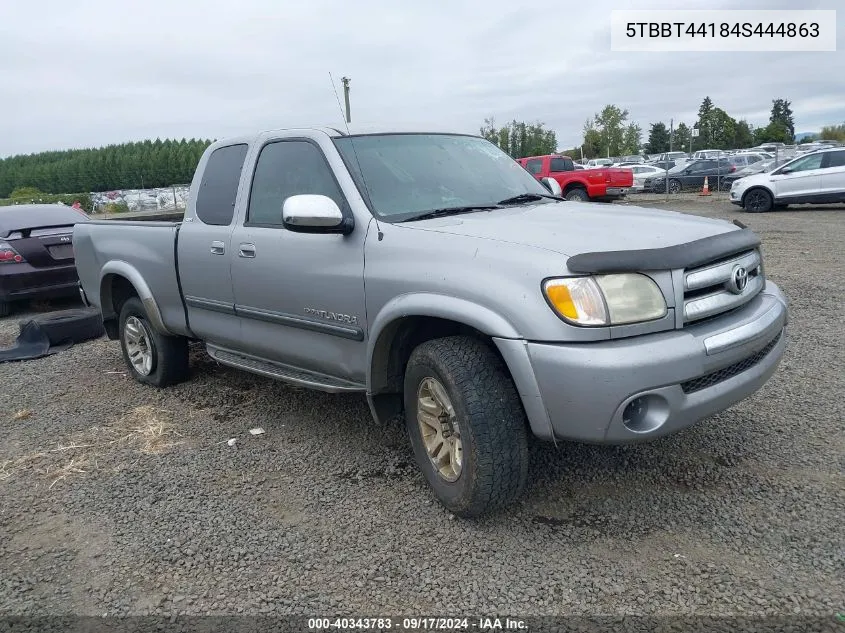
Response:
column 689, row 255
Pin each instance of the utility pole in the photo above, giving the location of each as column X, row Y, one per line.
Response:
column 345, row 81
column 671, row 132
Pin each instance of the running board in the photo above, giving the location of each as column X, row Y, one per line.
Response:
column 286, row 373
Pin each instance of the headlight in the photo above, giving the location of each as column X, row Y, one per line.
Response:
column 605, row 299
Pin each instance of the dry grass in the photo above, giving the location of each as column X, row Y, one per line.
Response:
column 151, row 429
column 144, row 429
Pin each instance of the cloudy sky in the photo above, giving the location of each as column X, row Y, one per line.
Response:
column 86, row 73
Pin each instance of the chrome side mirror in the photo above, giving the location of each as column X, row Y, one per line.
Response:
column 553, row 186
column 307, row 213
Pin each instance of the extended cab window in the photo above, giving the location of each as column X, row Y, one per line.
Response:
column 285, row 169
column 219, row 186
column 534, row 166
column 562, row 164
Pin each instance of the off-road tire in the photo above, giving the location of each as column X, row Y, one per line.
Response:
column 493, row 425
column 170, row 353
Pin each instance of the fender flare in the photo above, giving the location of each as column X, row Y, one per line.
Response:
column 428, row 304
column 124, row 269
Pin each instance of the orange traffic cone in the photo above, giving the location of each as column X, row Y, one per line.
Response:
column 706, row 190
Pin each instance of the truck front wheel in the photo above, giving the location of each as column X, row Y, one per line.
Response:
column 466, row 424
column 152, row 358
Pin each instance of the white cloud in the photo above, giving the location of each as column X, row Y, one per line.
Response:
column 97, row 72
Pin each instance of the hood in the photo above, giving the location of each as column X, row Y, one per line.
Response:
column 571, row 228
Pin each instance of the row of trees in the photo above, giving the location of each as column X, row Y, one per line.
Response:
column 718, row 130
column 520, row 139
column 610, row 133
column 139, row 165
column 830, row 133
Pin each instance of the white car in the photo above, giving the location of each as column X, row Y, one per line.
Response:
column 705, row 154
column 641, row 172
column 817, row 178
column 599, row 162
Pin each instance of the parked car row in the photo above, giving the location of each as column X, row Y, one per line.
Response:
column 690, row 176
column 675, row 177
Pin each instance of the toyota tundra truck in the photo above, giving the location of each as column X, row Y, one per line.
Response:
column 434, row 275
column 602, row 184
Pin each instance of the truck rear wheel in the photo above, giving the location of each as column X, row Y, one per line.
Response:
column 577, row 195
column 466, row 424
column 152, row 358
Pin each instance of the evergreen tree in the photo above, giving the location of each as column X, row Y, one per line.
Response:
column 782, row 116
column 124, row 166
column 658, row 139
column 681, row 138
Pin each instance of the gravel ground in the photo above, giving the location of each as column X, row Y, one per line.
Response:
column 122, row 499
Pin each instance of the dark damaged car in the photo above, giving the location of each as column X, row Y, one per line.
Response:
column 36, row 253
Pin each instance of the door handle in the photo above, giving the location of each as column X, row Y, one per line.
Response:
column 218, row 248
column 246, row 250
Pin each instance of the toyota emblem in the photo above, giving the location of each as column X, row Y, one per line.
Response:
column 738, row 280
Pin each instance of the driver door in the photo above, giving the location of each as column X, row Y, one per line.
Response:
column 300, row 296
column 799, row 178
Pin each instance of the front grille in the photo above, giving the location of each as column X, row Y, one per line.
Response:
column 710, row 290
column 714, row 378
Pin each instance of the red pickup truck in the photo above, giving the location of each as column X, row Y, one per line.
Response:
column 604, row 183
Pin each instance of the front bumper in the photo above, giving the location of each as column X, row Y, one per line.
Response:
column 671, row 380
column 23, row 281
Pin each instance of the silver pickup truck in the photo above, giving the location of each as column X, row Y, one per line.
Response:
column 435, row 275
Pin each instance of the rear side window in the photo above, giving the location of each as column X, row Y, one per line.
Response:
column 836, row 159
column 285, row 169
column 562, row 164
column 534, row 166
column 219, row 185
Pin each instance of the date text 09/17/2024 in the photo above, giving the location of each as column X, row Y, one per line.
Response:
column 419, row 624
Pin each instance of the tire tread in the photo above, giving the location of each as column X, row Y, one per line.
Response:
column 495, row 415
column 172, row 351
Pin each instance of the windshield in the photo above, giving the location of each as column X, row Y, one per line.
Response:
column 405, row 175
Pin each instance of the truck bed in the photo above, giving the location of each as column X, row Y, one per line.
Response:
column 142, row 251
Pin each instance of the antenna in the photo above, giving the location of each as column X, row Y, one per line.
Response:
column 352, row 141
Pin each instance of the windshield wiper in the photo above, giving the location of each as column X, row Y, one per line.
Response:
column 439, row 213
column 528, row 197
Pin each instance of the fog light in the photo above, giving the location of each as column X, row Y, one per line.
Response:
column 645, row 414
column 635, row 412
